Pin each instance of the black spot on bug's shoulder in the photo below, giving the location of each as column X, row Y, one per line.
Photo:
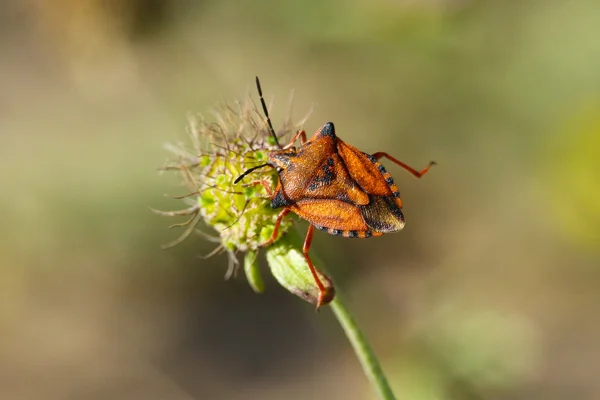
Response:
column 396, row 194
column 389, row 180
column 328, row 170
column 279, row 200
column 381, row 168
column 328, row 130
column 326, row 178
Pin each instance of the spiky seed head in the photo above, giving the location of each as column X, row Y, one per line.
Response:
column 236, row 140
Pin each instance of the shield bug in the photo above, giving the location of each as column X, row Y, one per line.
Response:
column 334, row 186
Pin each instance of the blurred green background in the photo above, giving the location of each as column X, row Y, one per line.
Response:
column 490, row 292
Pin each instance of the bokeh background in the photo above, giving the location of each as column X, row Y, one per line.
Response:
column 490, row 292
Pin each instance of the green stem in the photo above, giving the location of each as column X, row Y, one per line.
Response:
column 363, row 350
column 289, row 267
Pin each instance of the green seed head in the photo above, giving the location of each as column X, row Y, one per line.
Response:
column 240, row 213
column 239, row 140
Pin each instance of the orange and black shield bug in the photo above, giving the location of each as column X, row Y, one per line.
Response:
column 335, row 187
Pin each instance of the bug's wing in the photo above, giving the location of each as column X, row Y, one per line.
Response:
column 331, row 214
column 318, row 172
column 364, row 170
column 382, row 214
column 331, row 180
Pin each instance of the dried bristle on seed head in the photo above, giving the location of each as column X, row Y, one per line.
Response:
column 236, row 139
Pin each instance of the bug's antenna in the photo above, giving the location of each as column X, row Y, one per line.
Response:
column 246, row 172
column 264, row 106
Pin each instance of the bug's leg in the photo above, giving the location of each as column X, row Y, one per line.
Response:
column 302, row 137
column 326, row 294
column 413, row 171
column 264, row 183
column 301, row 134
column 282, row 214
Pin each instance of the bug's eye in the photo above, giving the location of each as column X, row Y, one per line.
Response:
column 279, row 169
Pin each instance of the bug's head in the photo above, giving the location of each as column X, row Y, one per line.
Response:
column 281, row 159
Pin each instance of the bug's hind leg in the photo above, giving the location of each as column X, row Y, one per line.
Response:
column 413, row 171
column 326, row 294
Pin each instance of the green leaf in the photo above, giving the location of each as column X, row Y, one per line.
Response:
column 289, row 267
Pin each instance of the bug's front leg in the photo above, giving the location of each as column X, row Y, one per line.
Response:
column 301, row 134
column 282, row 214
column 326, row 294
column 413, row 171
column 264, row 184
